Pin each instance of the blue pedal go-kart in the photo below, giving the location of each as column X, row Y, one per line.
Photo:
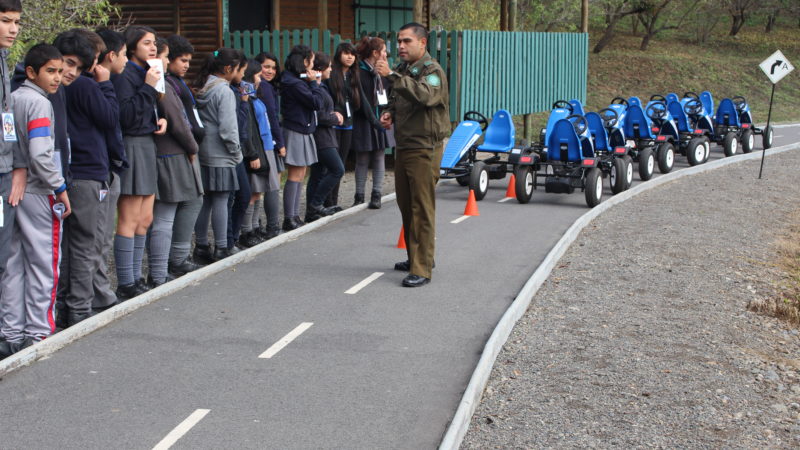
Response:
column 688, row 140
column 568, row 160
column 609, row 145
column 460, row 157
column 649, row 134
column 733, row 124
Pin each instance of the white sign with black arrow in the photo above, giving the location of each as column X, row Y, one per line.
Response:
column 776, row 67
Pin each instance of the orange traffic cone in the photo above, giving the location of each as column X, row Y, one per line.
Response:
column 472, row 205
column 401, row 241
column 512, row 189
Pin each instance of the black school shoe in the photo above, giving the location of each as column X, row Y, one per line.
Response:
column 127, row 292
column 375, row 200
column 9, row 348
column 74, row 317
column 180, row 269
column 250, row 239
column 202, row 254
column 415, row 281
column 292, row 223
column 358, row 199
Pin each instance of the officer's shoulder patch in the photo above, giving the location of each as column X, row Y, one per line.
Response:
column 427, row 63
column 433, row 80
column 414, row 70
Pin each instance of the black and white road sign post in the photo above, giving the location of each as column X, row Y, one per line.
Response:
column 775, row 67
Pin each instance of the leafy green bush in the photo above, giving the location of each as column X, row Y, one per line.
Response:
column 42, row 20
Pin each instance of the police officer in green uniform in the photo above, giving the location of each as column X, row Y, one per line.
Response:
column 419, row 109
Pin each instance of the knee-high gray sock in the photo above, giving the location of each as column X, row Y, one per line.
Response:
column 219, row 218
column 272, row 206
column 123, row 256
column 201, row 226
column 138, row 254
column 362, row 167
column 256, row 215
column 291, row 191
column 378, row 170
column 297, row 198
column 247, row 220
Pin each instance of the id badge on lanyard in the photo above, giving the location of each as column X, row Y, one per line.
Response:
column 383, row 99
column 197, row 117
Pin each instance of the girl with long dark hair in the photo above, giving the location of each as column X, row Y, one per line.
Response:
column 268, row 94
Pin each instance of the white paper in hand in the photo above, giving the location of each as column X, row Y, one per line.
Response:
column 159, row 65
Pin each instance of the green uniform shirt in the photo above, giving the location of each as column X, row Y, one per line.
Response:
column 420, row 104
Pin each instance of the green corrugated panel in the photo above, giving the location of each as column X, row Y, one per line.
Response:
column 236, row 39
column 286, row 41
column 226, row 39
column 276, row 45
column 314, row 39
column 455, row 114
column 326, row 42
column 265, row 42
column 246, row 43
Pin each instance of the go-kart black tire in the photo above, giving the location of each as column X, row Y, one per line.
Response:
column 766, row 137
column 647, row 164
column 479, row 180
column 628, row 172
column 463, row 180
column 696, row 151
column 666, row 157
column 730, row 144
column 593, row 187
column 616, row 178
column 748, row 141
column 523, row 186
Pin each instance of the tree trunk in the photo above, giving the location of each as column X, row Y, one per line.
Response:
column 645, row 41
column 770, row 22
column 736, row 25
column 634, row 25
column 608, row 36
column 584, row 16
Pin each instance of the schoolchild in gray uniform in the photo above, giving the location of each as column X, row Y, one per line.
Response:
column 177, row 179
column 137, row 96
column 220, row 150
column 29, row 285
column 12, row 163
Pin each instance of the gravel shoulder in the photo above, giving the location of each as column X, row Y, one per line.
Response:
column 641, row 337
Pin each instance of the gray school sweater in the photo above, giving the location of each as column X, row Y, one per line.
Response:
column 217, row 106
column 10, row 153
column 33, row 115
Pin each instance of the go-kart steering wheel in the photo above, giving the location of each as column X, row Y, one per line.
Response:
column 477, row 117
column 619, row 101
column 690, row 94
column 658, row 98
column 656, row 110
column 609, row 117
column 739, row 102
column 563, row 104
column 693, row 107
column 579, row 123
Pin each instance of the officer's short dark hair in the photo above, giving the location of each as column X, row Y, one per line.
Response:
column 39, row 55
column 179, row 46
column 73, row 43
column 419, row 30
column 114, row 42
column 11, row 6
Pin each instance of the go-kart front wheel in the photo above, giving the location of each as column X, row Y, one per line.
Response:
column 593, row 187
column 628, row 172
column 730, row 144
column 748, row 141
column 523, row 186
column 617, row 176
column 707, row 143
column 766, row 137
column 647, row 164
column 479, row 180
column 463, row 180
column 666, row 157
column 696, row 151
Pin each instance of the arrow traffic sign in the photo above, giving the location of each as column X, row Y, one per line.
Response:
column 776, row 67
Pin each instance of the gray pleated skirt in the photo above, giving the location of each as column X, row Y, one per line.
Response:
column 266, row 181
column 141, row 176
column 300, row 148
column 178, row 181
column 219, row 179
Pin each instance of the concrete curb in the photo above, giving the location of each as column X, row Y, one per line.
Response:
column 60, row 340
column 480, row 377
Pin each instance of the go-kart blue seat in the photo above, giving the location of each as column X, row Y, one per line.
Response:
column 727, row 114
column 668, row 127
column 598, row 131
column 672, row 97
column 577, row 107
column 555, row 115
column 465, row 134
column 708, row 102
column 677, row 112
column 636, row 125
column 564, row 144
column 634, row 101
column 500, row 134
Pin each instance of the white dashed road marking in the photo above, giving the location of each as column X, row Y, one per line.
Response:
column 181, row 429
column 286, row 340
column 505, row 199
column 364, row 283
column 460, row 219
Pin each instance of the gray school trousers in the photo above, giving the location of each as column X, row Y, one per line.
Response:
column 29, row 284
column 104, row 296
column 83, row 241
column 7, row 222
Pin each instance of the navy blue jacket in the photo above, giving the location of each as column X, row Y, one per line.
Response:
column 269, row 96
column 93, row 113
column 300, row 100
column 137, row 101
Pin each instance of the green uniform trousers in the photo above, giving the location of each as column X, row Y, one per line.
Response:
column 416, row 172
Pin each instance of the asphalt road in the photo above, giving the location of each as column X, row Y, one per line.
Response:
column 384, row 367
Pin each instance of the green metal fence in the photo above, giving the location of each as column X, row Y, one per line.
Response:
column 521, row 72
